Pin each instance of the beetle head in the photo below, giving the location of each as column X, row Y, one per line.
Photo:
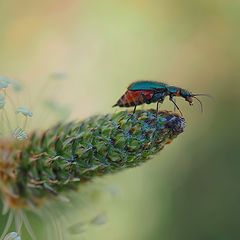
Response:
column 188, row 96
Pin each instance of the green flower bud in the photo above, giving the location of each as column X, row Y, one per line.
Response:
column 68, row 155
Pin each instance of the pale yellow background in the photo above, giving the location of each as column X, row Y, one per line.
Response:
column 102, row 46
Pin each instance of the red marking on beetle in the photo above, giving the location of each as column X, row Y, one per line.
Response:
column 133, row 98
column 178, row 94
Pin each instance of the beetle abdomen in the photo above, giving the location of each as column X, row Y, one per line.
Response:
column 134, row 98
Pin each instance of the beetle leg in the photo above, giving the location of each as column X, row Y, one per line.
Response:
column 172, row 99
column 174, row 108
column 175, row 105
column 134, row 110
column 132, row 114
column 157, row 109
column 135, row 106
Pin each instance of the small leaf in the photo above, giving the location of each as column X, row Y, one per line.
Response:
column 24, row 111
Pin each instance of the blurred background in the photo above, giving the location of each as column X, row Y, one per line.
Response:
column 80, row 55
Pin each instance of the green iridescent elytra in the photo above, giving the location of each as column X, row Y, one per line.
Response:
column 147, row 85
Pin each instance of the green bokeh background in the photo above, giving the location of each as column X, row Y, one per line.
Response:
column 190, row 190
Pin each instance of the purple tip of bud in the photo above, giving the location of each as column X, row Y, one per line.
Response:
column 176, row 123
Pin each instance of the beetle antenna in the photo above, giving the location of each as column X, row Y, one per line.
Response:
column 199, row 102
column 203, row 94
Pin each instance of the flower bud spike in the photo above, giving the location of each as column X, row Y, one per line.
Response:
column 71, row 154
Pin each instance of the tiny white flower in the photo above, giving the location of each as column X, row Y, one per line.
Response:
column 100, row 219
column 25, row 111
column 20, row 134
column 58, row 76
column 2, row 101
column 12, row 236
column 78, row 228
column 4, row 82
column 17, row 86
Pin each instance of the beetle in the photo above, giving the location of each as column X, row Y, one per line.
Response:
column 144, row 91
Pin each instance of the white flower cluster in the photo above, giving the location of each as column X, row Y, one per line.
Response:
column 12, row 236
column 18, row 132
